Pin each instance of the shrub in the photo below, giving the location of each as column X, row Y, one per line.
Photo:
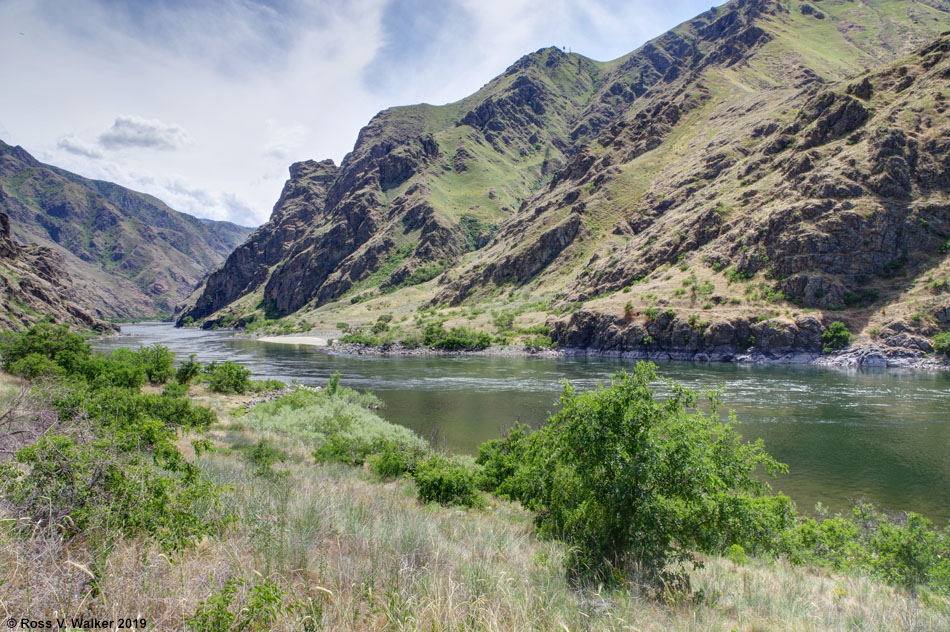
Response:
column 836, row 337
column 263, row 386
column 229, row 377
column 456, row 339
column 175, row 390
column 35, row 365
column 393, row 460
column 55, row 342
column 539, row 343
column 158, row 363
column 79, row 487
column 500, row 460
column 504, row 320
column 633, row 483
column 188, row 370
column 439, row 480
column 942, row 343
column 255, row 610
column 901, row 549
column 337, row 423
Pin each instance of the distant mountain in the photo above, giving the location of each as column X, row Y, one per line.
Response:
column 129, row 254
column 34, row 284
column 704, row 192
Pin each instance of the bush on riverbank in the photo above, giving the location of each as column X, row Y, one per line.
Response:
column 332, row 548
column 339, row 424
column 104, row 458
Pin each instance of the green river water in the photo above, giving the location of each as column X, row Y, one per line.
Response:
column 879, row 434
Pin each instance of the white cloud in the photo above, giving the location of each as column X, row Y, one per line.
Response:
column 79, row 147
column 108, row 89
column 135, row 131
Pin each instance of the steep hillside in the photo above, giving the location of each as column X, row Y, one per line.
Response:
column 34, row 284
column 129, row 254
column 723, row 187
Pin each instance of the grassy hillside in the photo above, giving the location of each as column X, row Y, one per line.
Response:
column 129, row 253
column 736, row 170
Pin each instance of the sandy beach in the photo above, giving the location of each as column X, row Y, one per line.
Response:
column 313, row 341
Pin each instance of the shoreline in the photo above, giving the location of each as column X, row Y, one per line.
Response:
column 860, row 356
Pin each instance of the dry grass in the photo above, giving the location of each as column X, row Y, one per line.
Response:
column 359, row 554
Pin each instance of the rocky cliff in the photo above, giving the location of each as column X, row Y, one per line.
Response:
column 34, row 284
column 128, row 252
column 754, row 173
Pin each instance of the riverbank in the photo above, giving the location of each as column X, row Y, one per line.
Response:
column 862, row 355
column 335, row 547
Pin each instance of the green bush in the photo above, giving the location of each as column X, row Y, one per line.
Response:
column 500, row 460
column 229, row 377
column 338, row 423
column 173, row 389
column 901, row 549
column 539, row 343
column 158, row 362
column 264, row 386
column 188, row 370
column 942, row 343
column 447, row 483
column 456, row 339
column 55, row 342
column 394, row 459
column 256, row 609
column 635, row 484
column 836, row 337
column 121, row 367
column 35, row 365
column 91, row 487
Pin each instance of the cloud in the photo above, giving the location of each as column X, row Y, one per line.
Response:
column 134, row 131
column 252, row 85
column 284, row 140
column 79, row 147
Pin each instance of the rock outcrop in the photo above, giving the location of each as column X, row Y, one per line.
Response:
column 727, row 155
column 131, row 254
column 34, row 285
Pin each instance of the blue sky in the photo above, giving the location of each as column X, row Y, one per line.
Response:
column 206, row 104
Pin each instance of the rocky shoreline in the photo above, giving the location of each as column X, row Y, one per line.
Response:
column 858, row 356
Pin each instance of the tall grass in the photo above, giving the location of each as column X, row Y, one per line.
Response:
column 353, row 553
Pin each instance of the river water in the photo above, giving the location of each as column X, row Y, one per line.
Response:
column 879, row 434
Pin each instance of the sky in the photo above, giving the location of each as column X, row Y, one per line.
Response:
column 205, row 104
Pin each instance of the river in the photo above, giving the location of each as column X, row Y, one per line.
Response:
column 879, row 434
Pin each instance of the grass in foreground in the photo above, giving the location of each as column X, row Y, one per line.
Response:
column 295, row 522
column 343, row 551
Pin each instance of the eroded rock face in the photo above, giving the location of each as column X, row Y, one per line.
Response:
column 674, row 338
column 34, row 284
column 131, row 253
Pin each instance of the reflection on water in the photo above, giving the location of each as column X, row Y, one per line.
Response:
column 874, row 433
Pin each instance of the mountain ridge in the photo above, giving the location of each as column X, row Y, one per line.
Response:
column 135, row 255
column 585, row 178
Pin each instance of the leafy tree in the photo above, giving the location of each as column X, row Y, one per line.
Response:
column 634, row 483
column 56, row 342
column 188, row 370
column 158, row 362
column 230, row 377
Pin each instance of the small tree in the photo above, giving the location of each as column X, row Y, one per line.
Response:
column 158, row 362
column 229, row 377
column 836, row 337
column 634, row 483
